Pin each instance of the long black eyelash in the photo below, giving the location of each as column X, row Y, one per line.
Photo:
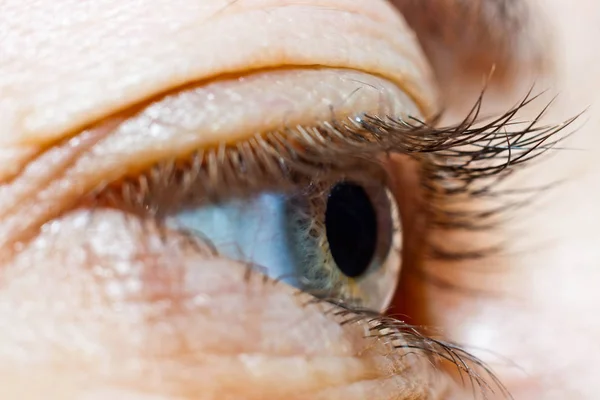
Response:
column 459, row 163
column 480, row 155
column 464, row 161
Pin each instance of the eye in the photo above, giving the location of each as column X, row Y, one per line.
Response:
column 338, row 239
column 307, row 203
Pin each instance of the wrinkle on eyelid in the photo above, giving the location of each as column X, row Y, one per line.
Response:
column 119, row 304
column 13, row 159
column 41, row 189
column 50, row 94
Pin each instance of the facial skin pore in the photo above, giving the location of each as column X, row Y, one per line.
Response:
column 96, row 304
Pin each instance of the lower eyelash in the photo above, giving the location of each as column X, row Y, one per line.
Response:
column 408, row 340
column 403, row 339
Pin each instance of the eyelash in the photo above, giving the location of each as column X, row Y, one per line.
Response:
column 459, row 163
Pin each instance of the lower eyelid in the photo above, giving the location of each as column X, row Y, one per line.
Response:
column 172, row 311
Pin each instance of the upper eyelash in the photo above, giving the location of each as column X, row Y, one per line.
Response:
column 459, row 163
column 465, row 160
column 499, row 147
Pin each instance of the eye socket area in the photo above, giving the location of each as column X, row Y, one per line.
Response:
column 287, row 159
column 129, row 270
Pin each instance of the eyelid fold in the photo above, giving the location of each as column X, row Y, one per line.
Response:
column 48, row 95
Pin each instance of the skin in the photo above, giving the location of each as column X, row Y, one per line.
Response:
column 95, row 306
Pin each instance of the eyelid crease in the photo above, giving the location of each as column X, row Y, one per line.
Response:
column 13, row 159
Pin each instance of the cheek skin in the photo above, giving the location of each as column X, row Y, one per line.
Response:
column 117, row 306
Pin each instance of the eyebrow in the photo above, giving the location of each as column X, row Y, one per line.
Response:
column 479, row 34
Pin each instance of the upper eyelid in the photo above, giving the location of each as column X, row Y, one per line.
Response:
column 175, row 128
column 204, row 122
column 127, row 145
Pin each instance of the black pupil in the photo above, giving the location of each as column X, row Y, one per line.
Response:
column 351, row 223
